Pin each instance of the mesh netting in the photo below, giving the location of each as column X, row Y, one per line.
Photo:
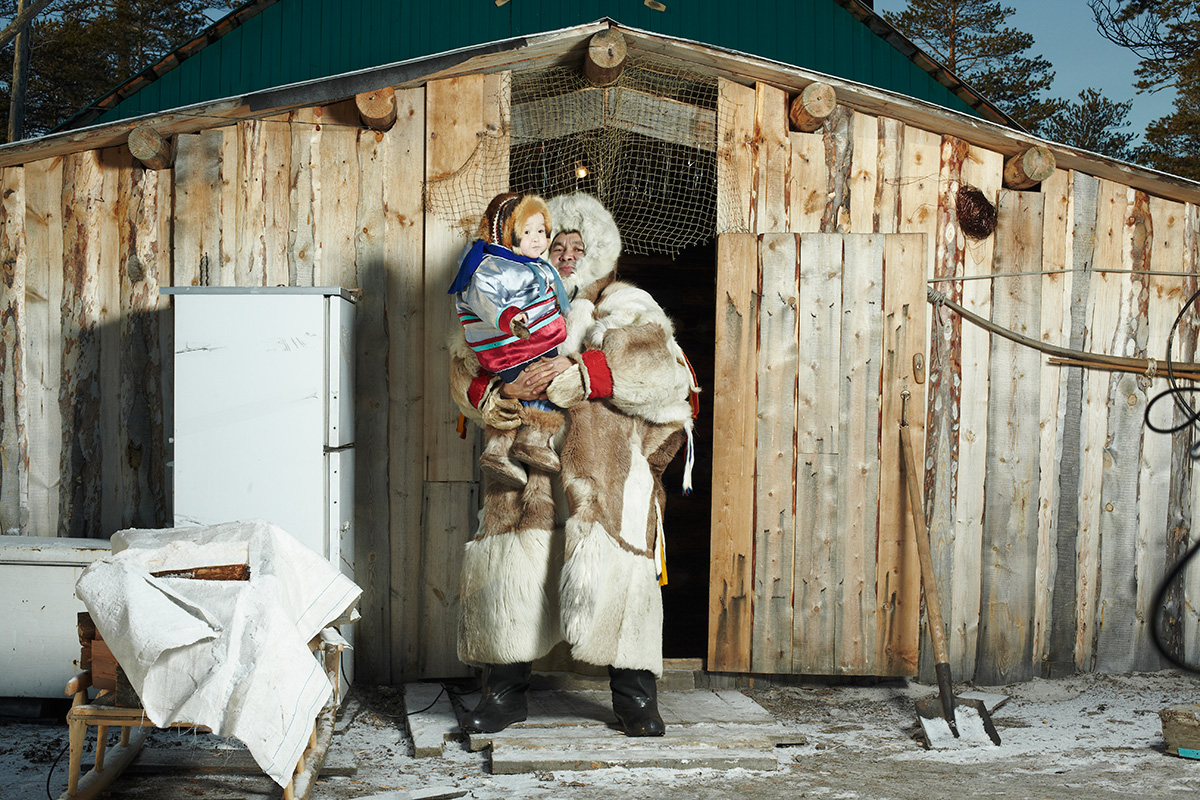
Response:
column 644, row 146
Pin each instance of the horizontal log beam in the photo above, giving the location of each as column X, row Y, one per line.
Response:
column 150, row 147
column 377, row 109
column 812, row 107
column 627, row 109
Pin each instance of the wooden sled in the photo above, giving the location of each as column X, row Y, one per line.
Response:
column 109, row 764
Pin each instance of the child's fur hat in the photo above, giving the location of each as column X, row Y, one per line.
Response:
column 506, row 216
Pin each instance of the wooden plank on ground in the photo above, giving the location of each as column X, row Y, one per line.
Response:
column 510, row 761
column 734, row 413
column 858, row 452
column 807, row 179
column 43, row 306
column 1010, row 530
column 431, row 718
column 405, row 316
column 735, row 155
column 981, row 169
column 1104, row 308
column 775, row 458
column 14, row 399
column 771, row 160
column 897, row 571
column 1119, row 634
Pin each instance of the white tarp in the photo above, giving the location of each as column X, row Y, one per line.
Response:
column 230, row 655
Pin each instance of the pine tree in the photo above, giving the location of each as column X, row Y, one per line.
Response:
column 82, row 49
column 1165, row 35
column 1093, row 123
column 972, row 40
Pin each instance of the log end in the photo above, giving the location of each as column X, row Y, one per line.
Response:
column 812, row 107
column 605, row 57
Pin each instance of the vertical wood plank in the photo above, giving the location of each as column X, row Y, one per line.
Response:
column 1061, row 651
column 919, row 171
column 861, row 357
column 897, row 572
column 196, row 240
column 887, row 195
column 864, row 176
column 1186, row 594
column 372, row 551
column 839, row 155
column 1158, row 501
column 277, row 155
column 449, row 509
column 771, row 159
column 43, row 293
column 305, row 135
column 230, row 197
column 14, row 399
column 945, row 387
column 250, row 235
column 981, row 169
column 335, row 207
column 734, row 413
column 1119, row 634
column 79, row 396
column 775, row 458
column 454, row 123
column 735, row 155
column 405, row 235
column 807, row 180
column 110, row 208
column 1013, row 464
column 144, row 247
column 1055, row 330
column 817, row 555
column 1104, row 302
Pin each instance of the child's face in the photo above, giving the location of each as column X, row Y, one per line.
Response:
column 533, row 237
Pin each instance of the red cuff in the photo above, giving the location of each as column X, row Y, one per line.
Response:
column 478, row 388
column 599, row 375
column 504, row 323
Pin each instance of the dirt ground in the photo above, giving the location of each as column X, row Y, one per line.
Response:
column 1098, row 736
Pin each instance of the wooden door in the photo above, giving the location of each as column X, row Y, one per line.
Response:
column 814, row 565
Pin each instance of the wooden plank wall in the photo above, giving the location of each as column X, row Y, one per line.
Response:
column 1097, row 507
column 306, row 198
column 1052, row 526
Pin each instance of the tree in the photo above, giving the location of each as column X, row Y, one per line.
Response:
column 972, row 40
column 1165, row 35
column 1093, row 123
column 82, row 49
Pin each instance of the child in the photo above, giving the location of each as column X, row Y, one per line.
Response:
column 509, row 305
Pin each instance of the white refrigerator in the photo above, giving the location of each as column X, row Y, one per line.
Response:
column 264, row 413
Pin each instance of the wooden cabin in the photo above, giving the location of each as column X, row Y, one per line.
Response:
column 1054, row 511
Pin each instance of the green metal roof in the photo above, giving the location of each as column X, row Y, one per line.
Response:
column 269, row 43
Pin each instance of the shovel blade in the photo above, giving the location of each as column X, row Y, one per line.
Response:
column 972, row 724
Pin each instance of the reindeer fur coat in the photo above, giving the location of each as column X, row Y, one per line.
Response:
column 572, row 556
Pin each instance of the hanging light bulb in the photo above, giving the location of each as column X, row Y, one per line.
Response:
column 581, row 170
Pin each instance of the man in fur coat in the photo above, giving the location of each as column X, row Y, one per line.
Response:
column 574, row 556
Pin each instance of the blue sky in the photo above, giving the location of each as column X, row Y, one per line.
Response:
column 1064, row 33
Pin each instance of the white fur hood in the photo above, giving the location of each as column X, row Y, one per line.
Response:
column 596, row 226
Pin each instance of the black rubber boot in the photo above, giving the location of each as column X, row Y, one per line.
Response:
column 504, row 700
column 635, row 701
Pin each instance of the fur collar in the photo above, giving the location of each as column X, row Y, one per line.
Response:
column 596, row 226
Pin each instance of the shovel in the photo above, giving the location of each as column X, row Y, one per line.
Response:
column 954, row 720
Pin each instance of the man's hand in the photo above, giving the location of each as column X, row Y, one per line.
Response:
column 532, row 383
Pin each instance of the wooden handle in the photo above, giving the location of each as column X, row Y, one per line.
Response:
column 929, row 584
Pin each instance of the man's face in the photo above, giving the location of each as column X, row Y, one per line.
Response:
column 566, row 249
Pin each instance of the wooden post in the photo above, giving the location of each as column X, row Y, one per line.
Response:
column 1029, row 168
column 813, row 106
column 605, row 57
column 151, row 148
column 377, row 109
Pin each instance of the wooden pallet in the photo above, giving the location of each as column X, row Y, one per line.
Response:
column 103, row 714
